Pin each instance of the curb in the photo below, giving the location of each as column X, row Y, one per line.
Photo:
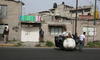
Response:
column 7, row 45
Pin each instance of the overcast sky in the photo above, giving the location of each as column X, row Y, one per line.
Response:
column 32, row 6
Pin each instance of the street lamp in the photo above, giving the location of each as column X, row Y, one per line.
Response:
column 76, row 16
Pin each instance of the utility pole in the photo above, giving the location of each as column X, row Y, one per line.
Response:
column 95, row 12
column 94, row 19
column 21, row 6
column 76, row 16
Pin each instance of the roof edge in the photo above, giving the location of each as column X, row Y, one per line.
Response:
column 17, row 1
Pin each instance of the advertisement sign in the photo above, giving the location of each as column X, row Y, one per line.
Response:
column 27, row 18
column 30, row 18
column 89, row 31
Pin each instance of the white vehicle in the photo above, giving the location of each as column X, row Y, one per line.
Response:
column 66, row 43
column 69, row 43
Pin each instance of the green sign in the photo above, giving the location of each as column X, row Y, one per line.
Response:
column 27, row 18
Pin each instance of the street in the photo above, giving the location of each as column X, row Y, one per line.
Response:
column 48, row 54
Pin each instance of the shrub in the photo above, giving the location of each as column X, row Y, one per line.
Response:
column 90, row 44
column 93, row 44
column 19, row 44
column 49, row 43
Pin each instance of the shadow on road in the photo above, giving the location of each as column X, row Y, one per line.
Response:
column 68, row 50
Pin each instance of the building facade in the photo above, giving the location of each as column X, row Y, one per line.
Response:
column 56, row 20
column 10, row 10
column 53, row 22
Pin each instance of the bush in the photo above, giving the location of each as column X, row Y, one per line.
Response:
column 93, row 44
column 19, row 44
column 49, row 43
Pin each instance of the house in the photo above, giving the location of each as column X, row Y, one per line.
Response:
column 10, row 10
column 56, row 20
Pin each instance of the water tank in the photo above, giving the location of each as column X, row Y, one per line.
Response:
column 69, row 43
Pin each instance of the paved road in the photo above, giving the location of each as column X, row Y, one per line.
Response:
column 47, row 54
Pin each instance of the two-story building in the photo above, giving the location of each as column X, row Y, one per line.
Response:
column 10, row 10
column 53, row 22
column 56, row 20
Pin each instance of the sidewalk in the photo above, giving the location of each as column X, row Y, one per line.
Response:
column 29, row 44
column 18, row 44
column 23, row 44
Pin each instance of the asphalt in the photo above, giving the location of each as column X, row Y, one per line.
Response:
column 13, row 53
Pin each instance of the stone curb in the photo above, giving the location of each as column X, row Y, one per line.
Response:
column 7, row 45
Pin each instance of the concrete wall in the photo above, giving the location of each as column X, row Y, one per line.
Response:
column 62, row 10
column 12, row 19
column 47, row 36
column 80, row 25
column 85, row 23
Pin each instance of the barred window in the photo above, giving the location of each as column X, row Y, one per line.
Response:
column 3, row 11
column 56, row 30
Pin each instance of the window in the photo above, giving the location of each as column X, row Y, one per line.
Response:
column 55, row 30
column 80, row 11
column 87, row 10
column 3, row 11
